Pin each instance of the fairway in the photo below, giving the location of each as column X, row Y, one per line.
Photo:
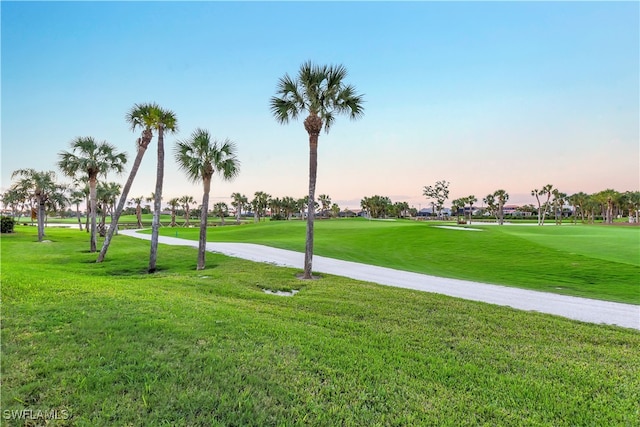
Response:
column 107, row 344
column 588, row 261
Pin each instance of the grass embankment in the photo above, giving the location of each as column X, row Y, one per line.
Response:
column 600, row 262
column 108, row 345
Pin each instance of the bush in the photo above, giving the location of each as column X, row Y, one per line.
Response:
column 7, row 224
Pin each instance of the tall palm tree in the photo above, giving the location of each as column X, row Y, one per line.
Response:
column 200, row 157
column 39, row 185
column 138, row 117
column 90, row 159
column 162, row 121
column 319, row 92
column 238, row 202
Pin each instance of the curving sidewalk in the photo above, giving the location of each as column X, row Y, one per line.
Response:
column 583, row 309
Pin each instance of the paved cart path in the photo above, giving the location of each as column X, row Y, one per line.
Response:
column 583, row 309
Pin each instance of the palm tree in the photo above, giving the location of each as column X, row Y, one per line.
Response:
column 578, row 200
column 238, row 202
column 90, row 159
column 302, row 205
column 162, row 121
column 325, row 201
column 77, row 197
column 457, row 205
column 632, row 201
column 137, row 117
column 138, row 202
column 57, row 200
column 186, row 201
column 319, row 92
column 16, row 199
column 501, row 196
column 559, row 200
column 290, row 205
column 335, row 209
column 200, row 157
column 222, row 210
column 471, row 200
column 39, row 186
column 173, row 204
column 259, row 204
column 542, row 208
column 107, row 195
column 490, row 201
column 150, row 199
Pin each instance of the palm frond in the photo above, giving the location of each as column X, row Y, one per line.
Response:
column 318, row 90
column 199, row 157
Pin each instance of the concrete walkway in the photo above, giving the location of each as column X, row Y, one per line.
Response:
column 583, row 309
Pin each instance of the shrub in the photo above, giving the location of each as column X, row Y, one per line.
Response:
column 7, row 224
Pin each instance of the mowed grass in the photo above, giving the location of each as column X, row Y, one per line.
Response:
column 108, row 345
column 600, row 262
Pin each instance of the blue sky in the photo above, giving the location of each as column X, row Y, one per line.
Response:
column 485, row 95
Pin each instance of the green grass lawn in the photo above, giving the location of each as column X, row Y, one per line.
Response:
column 601, row 262
column 108, row 345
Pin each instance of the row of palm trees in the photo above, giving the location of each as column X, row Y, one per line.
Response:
column 318, row 92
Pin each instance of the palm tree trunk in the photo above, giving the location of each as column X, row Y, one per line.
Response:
column 139, row 215
column 202, row 243
column 40, row 216
column 78, row 216
column 87, row 219
column 173, row 217
column 92, row 197
column 313, row 171
column 123, row 199
column 155, row 226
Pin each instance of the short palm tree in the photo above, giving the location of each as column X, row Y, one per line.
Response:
column 238, row 201
column 320, row 93
column 90, row 159
column 471, row 200
column 325, row 201
column 221, row 210
column 501, row 196
column 138, row 202
column 186, row 201
column 173, row 204
column 200, row 157
column 77, row 197
column 38, row 186
column 108, row 193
